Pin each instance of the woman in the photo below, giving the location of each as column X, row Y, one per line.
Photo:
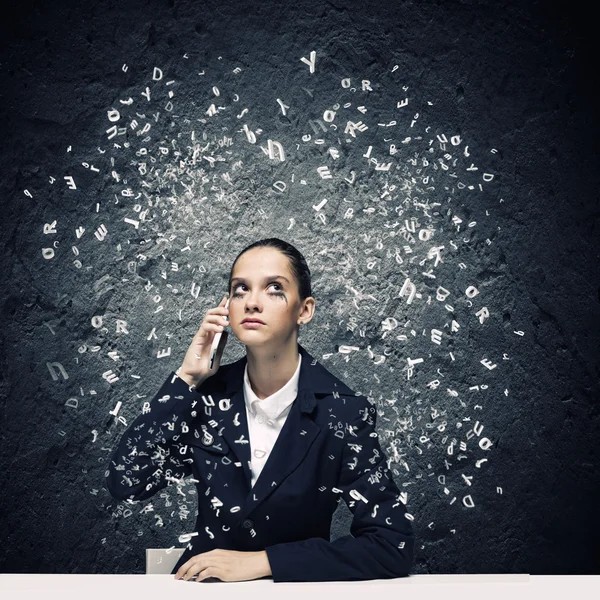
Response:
column 274, row 441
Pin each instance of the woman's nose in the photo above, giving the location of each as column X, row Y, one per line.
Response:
column 252, row 300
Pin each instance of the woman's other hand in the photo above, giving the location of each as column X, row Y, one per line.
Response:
column 226, row 565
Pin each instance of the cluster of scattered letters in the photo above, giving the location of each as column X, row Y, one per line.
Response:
column 173, row 164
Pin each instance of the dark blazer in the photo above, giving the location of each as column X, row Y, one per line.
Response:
column 328, row 449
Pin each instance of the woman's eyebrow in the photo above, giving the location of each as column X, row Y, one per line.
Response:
column 266, row 278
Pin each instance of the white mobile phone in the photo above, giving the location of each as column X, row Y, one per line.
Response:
column 215, row 344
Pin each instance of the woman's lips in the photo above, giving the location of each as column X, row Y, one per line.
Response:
column 252, row 324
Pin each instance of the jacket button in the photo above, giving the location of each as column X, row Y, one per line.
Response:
column 248, row 523
column 207, row 439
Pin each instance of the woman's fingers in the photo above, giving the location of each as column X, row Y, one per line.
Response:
column 218, row 320
column 214, row 322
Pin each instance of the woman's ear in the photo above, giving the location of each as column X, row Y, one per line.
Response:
column 308, row 306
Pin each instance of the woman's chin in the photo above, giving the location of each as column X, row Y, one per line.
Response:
column 254, row 339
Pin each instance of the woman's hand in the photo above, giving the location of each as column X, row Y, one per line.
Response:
column 193, row 370
column 226, row 565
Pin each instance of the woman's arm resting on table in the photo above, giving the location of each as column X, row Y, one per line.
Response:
column 383, row 542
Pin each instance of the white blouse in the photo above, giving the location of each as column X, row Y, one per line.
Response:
column 266, row 418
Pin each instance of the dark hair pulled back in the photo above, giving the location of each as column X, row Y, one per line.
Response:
column 297, row 263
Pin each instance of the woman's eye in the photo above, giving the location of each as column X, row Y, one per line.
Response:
column 242, row 285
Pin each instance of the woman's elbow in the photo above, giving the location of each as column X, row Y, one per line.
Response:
column 117, row 489
column 400, row 556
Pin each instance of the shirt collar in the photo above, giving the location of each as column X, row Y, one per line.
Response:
column 314, row 379
column 275, row 404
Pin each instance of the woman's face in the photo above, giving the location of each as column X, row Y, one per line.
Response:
column 257, row 292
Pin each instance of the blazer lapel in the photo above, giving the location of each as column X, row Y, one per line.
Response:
column 293, row 442
column 235, row 431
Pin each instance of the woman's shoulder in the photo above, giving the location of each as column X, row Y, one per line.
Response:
column 350, row 406
column 335, row 395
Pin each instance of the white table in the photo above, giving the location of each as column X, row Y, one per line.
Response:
column 419, row 587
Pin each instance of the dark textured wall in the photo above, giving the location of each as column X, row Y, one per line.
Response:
column 124, row 206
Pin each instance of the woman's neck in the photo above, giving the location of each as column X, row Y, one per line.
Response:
column 269, row 370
